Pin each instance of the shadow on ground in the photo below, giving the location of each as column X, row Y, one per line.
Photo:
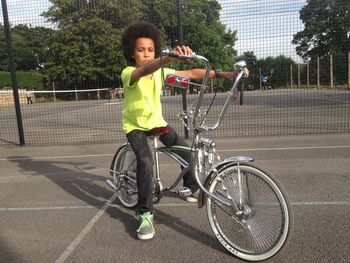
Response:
column 73, row 178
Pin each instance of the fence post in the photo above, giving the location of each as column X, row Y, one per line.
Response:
column 180, row 42
column 291, row 76
column 331, row 69
column 76, row 92
column 318, row 72
column 260, row 83
column 348, row 70
column 299, row 76
column 308, row 75
column 54, row 93
column 13, row 72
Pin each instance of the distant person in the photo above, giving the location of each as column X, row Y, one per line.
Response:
column 264, row 80
column 29, row 96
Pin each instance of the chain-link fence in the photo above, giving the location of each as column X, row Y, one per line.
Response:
column 61, row 83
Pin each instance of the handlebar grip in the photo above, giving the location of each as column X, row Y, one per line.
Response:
column 239, row 65
column 169, row 54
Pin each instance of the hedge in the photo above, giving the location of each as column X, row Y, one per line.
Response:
column 25, row 79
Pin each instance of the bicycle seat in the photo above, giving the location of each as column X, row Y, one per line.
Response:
column 158, row 131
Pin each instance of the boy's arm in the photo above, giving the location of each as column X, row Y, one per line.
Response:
column 147, row 69
column 155, row 64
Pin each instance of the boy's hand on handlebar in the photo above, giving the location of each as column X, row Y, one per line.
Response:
column 233, row 74
column 235, row 95
column 181, row 51
column 246, row 72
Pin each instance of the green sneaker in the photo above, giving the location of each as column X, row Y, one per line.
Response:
column 146, row 229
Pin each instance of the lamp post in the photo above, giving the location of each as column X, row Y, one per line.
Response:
column 180, row 43
column 12, row 71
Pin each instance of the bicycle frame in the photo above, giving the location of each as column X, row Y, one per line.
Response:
column 199, row 169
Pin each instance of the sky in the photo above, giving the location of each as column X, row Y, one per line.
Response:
column 265, row 27
column 26, row 12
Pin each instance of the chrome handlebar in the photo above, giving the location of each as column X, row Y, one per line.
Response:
column 191, row 57
column 199, row 127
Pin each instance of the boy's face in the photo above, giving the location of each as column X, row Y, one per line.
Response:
column 144, row 51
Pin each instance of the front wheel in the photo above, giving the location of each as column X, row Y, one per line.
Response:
column 257, row 223
column 123, row 170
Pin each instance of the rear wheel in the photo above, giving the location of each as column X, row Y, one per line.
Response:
column 123, row 169
column 257, row 223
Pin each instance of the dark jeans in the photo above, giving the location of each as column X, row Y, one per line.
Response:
column 139, row 143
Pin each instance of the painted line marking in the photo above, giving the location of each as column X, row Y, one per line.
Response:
column 229, row 150
column 47, row 208
column 288, row 148
column 56, row 157
column 85, row 231
column 113, row 103
column 109, row 204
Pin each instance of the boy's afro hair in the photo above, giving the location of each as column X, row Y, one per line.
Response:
column 135, row 31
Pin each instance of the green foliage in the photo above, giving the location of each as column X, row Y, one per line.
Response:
column 83, row 51
column 118, row 13
column 202, row 29
column 88, row 50
column 29, row 46
column 31, row 80
column 277, row 69
column 327, row 23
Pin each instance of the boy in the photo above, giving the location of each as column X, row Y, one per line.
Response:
column 141, row 45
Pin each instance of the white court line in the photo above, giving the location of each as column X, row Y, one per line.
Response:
column 57, row 157
column 85, row 231
column 288, row 148
column 45, row 208
column 113, row 103
column 29, row 209
column 62, row 258
column 229, row 150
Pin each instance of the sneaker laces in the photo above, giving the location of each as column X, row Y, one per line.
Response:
column 146, row 219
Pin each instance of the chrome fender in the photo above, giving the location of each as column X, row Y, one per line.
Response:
column 234, row 160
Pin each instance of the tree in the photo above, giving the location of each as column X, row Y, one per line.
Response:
column 326, row 26
column 277, row 68
column 85, row 50
column 118, row 13
column 3, row 50
column 202, row 29
column 250, row 58
column 29, row 45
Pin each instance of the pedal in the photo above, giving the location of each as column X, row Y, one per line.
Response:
column 184, row 191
